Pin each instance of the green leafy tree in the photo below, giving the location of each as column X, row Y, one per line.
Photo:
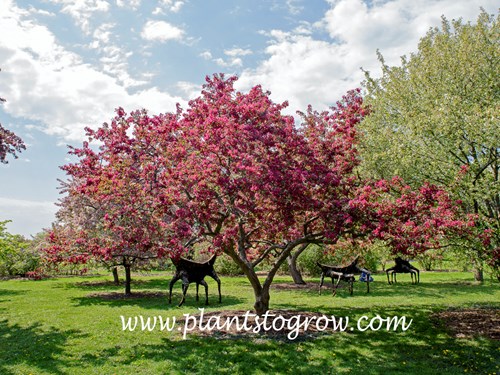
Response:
column 17, row 256
column 436, row 118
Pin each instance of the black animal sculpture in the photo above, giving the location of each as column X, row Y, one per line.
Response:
column 193, row 272
column 344, row 273
column 403, row 266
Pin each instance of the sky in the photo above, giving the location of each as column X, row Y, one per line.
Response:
column 67, row 64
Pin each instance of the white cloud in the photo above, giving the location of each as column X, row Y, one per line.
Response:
column 168, row 6
column 27, row 216
column 82, row 10
column 190, row 90
column 40, row 12
column 234, row 57
column 161, row 31
column 114, row 58
column 237, row 52
column 207, row 55
column 103, row 33
column 134, row 4
column 305, row 70
column 173, row 6
column 52, row 86
column 235, row 61
column 293, row 8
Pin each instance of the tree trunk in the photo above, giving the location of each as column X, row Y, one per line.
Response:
column 292, row 265
column 116, row 279
column 478, row 274
column 261, row 290
column 261, row 293
column 128, row 279
column 261, row 301
column 294, row 271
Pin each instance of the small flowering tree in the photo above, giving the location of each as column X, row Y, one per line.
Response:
column 110, row 214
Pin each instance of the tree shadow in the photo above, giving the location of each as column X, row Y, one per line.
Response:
column 136, row 284
column 423, row 349
column 155, row 300
column 149, row 294
column 33, row 347
column 8, row 293
column 425, row 289
column 380, row 288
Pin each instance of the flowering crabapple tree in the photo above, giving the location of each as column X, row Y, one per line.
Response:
column 256, row 187
column 233, row 172
column 410, row 221
column 110, row 214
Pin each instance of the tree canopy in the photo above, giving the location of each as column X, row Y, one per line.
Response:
column 232, row 174
column 436, row 118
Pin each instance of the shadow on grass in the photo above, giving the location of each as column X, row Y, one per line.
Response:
column 136, row 284
column 149, row 294
column 32, row 347
column 380, row 288
column 8, row 293
column 156, row 300
column 150, row 282
column 423, row 349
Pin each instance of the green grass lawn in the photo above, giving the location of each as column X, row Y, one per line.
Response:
column 60, row 326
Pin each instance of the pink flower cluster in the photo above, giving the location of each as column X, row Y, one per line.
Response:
column 233, row 171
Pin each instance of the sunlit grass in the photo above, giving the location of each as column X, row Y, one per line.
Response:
column 60, row 326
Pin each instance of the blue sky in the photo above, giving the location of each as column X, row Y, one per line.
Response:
column 67, row 64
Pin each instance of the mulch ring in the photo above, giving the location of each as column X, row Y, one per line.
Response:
column 279, row 325
column 471, row 322
column 308, row 287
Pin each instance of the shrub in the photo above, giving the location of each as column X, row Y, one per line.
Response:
column 224, row 265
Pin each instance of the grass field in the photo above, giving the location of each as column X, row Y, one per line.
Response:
column 63, row 326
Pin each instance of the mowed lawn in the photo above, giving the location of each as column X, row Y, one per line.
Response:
column 63, row 326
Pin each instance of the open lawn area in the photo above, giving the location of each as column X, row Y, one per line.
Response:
column 73, row 326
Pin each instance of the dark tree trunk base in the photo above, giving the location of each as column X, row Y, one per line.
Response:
column 294, row 272
column 128, row 280
column 116, row 279
column 478, row 274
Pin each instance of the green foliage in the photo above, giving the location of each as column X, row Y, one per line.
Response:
column 373, row 256
column 436, row 118
column 431, row 259
column 306, row 262
column 17, row 255
column 379, row 256
column 224, row 265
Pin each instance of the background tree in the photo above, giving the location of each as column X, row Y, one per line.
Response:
column 436, row 118
column 18, row 255
column 109, row 214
